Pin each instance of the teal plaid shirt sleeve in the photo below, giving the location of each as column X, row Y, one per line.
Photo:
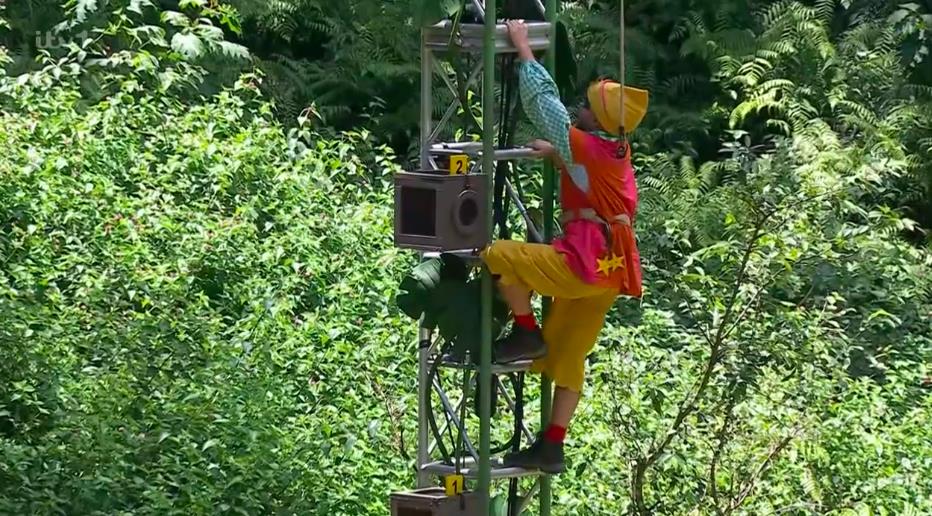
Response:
column 541, row 101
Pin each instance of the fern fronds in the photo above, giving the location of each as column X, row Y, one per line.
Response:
column 825, row 10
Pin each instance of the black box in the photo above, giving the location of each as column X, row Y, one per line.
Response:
column 437, row 212
column 434, row 502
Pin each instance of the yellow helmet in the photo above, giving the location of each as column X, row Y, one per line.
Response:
column 605, row 103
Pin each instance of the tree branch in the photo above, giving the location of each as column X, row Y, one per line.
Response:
column 715, row 356
column 717, row 453
column 690, row 404
column 637, row 487
column 751, row 483
column 705, row 331
column 629, row 427
column 744, row 311
column 395, row 416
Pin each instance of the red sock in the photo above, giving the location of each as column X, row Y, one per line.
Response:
column 555, row 434
column 528, row 322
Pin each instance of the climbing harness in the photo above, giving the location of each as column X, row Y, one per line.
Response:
column 590, row 214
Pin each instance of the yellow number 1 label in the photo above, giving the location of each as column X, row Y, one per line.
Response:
column 454, row 484
column 459, row 164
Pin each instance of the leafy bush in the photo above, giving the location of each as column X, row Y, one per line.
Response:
column 194, row 320
column 781, row 307
column 198, row 305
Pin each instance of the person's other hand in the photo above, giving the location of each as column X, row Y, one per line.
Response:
column 543, row 148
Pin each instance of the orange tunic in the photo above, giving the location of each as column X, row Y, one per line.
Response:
column 610, row 190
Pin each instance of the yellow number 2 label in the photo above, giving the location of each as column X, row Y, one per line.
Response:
column 459, row 165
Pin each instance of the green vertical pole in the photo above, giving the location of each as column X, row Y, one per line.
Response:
column 546, row 394
column 488, row 165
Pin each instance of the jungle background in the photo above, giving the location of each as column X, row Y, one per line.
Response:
column 198, row 280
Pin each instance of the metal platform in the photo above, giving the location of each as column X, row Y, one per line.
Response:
column 469, row 37
column 470, row 256
column 474, row 150
column 516, row 367
column 471, row 471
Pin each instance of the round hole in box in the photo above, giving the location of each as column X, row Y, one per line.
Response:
column 466, row 215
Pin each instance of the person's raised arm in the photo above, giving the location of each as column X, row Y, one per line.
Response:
column 518, row 32
column 541, row 99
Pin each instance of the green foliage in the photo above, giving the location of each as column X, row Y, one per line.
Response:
column 199, row 302
column 775, row 69
column 343, row 64
column 195, row 321
column 161, row 48
column 780, row 307
column 440, row 294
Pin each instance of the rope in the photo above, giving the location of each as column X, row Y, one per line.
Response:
column 621, row 53
column 623, row 134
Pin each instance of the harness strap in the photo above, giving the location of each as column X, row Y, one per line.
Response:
column 590, row 214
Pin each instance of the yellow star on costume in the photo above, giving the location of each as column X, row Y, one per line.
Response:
column 618, row 263
column 605, row 266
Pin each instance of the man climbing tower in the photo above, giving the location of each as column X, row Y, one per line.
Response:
column 592, row 263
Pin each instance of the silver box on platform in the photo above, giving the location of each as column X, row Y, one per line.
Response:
column 434, row 502
column 439, row 212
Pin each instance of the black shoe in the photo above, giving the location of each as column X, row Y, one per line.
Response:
column 543, row 455
column 520, row 344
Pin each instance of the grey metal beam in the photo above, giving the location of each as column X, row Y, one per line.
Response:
column 448, row 407
column 540, row 7
column 426, row 103
column 496, row 368
column 490, row 33
column 526, row 499
column 480, row 7
column 511, row 404
column 470, row 37
column 446, row 426
column 451, row 109
column 470, row 470
column 423, row 455
column 516, row 153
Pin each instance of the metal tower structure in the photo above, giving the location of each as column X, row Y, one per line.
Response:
column 472, row 463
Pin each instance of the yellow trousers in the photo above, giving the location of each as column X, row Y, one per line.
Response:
column 576, row 317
